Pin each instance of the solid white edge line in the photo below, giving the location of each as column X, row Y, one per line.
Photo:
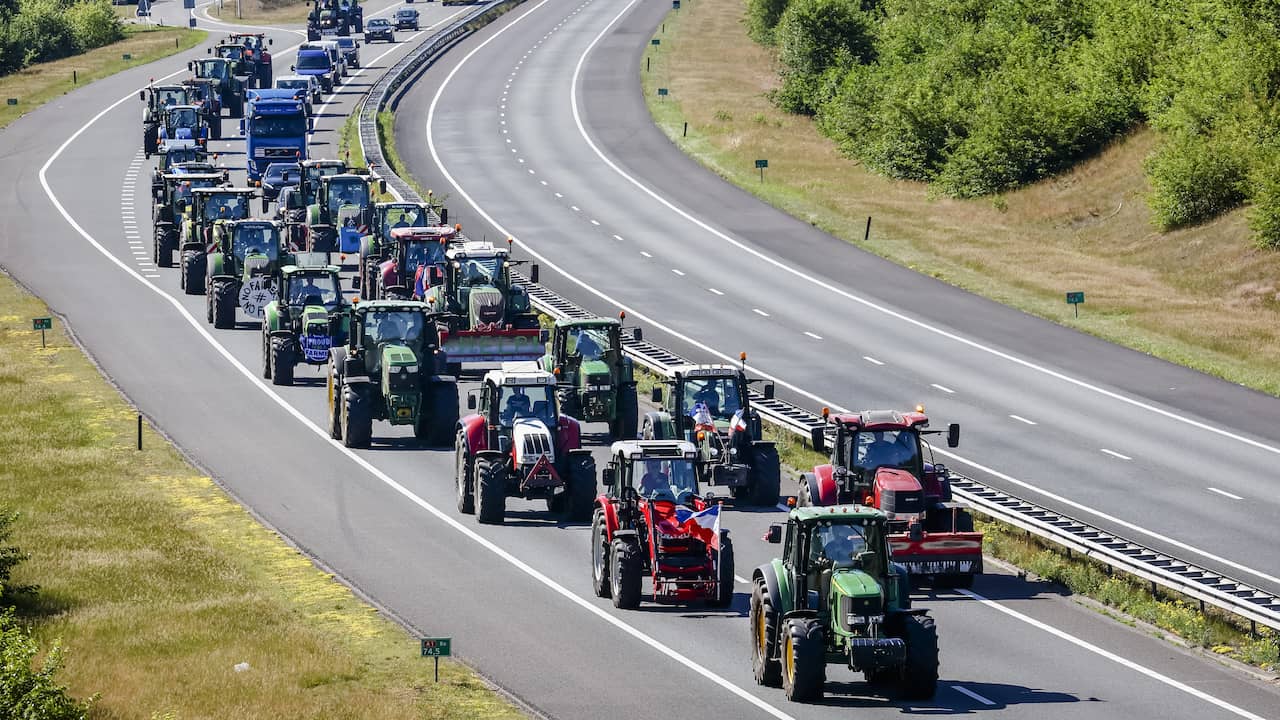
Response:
column 1113, row 453
column 946, row 390
column 1021, row 419
column 1224, row 493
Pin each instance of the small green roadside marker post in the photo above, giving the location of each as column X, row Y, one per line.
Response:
column 655, row 41
column 42, row 324
column 126, row 56
column 437, row 648
column 11, row 101
column 1075, row 300
column 662, row 92
column 675, row 4
column 761, row 165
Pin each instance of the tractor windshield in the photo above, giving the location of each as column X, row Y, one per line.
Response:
column 722, row 396
column 393, row 326
column 837, row 542
column 673, row 480
column 177, row 156
column 225, row 207
column 422, row 252
column 527, row 402
column 319, row 288
column 480, row 270
column 182, row 117
column 182, row 192
column 171, row 96
column 887, row 448
column 255, row 240
column 216, row 69
column 588, row 343
column 398, row 217
column 353, row 193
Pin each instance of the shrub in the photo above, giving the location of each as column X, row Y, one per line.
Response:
column 762, row 16
column 43, row 32
column 818, row 42
column 9, row 558
column 95, row 24
column 27, row 691
column 1194, row 178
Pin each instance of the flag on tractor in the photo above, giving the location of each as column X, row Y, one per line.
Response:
column 704, row 524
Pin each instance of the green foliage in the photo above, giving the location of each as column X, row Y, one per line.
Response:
column 1193, row 179
column 818, row 42
column 762, row 17
column 9, row 558
column 44, row 30
column 27, row 691
column 95, row 23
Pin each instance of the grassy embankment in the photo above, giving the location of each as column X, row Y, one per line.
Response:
column 1203, row 296
column 158, row 584
column 262, row 12
column 41, row 83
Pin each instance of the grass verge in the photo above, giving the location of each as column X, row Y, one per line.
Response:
column 158, row 584
column 261, row 12
column 387, row 138
column 41, row 83
column 1203, row 297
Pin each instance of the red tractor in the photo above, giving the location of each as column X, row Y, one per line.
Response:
column 878, row 460
column 652, row 520
column 413, row 263
column 516, row 443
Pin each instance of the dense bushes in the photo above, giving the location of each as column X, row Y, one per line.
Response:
column 979, row 96
column 33, row 31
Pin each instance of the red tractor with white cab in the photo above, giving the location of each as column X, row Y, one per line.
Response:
column 413, row 263
column 878, row 460
column 515, row 443
column 651, row 520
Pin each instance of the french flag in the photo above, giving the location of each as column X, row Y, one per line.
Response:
column 704, row 524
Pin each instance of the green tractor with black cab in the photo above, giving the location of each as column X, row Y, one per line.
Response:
column 308, row 318
column 171, row 200
column 242, row 269
column 391, row 369
column 595, row 381
column 230, row 89
column 341, row 211
column 836, row 596
column 196, row 241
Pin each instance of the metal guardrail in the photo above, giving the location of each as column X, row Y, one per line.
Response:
column 1206, row 586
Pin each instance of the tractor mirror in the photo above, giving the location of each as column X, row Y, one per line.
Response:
column 609, row 476
column 768, row 391
column 142, row 95
column 818, row 438
column 444, row 216
column 533, row 273
column 242, row 127
column 471, row 401
column 271, row 41
column 656, row 396
column 293, row 68
column 191, row 66
column 311, row 124
column 773, row 534
column 382, row 186
column 637, row 334
column 953, row 435
column 210, row 51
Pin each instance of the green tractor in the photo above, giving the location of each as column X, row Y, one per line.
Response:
column 309, row 318
column 595, row 380
column 340, row 212
column 709, row 405
column 170, row 203
column 230, row 90
column 391, row 369
column 196, row 241
column 242, row 269
column 836, row 596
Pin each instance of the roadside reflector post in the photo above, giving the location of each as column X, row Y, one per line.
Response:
column 761, row 165
column 74, row 78
column 139, row 431
column 866, row 235
column 126, row 56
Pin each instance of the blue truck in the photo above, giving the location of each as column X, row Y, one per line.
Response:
column 275, row 129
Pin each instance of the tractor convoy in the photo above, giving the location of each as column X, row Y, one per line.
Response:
column 403, row 319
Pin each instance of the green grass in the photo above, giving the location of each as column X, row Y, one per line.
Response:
column 41, row 83
column 387, row 137
column 262, row 12
column 157, row 583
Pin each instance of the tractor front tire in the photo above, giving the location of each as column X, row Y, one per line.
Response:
column 581, row 492
column 224, row 305
column 764, row 637
column 725, row 581
column 162, row 254
column 282, row 360
column 568, row 398
column 804, row 662
column 192, row 272
column 266, row 352
column 766, row 476
column 920, row 675
column 357, row 420
column 464, row 477
column 627, row 571
column 599, row 555
column 491, row 490
column 626, row 413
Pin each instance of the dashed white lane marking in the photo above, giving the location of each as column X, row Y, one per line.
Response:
column 520, row 160
column 531, row 172
column 812, row 335
column 1224, row 493
column 617, row 237
column 1113, row 453
column 1021, row 419
column 717, row 292
column 972, row 694
column 681, row 274
column 559, row 195
column 759, row 312
column 871, row 360
column 574, row 208
column 544, row 182
column 595, row 222
column 944, row 389
column 645, row 254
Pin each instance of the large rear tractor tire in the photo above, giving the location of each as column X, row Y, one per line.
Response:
column 765, row 476
column 265, row 346
column 224, row 305
column 626, row 414
column 764, row 637
column 192, row 269
column 491, row 490
column 568, row 399
column 357, row 420
column 162, row 253
column 804, row 662
column 724, row 587
column 283, row 358
column 439, row 414
column 464, row 477
column 627, row 572
column 599, row 555
column 920, row 676
column 582, row 488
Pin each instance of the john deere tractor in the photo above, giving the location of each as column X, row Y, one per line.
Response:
column 836, row 596
column 596, row 381
column 230, row 90
column 340, row 213
column 171, row 201
column 709, row 406
column 242, row 269
column 391, row 369
column 196, row 241
column 308, row 319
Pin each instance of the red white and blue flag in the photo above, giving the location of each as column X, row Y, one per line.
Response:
column 704, row 524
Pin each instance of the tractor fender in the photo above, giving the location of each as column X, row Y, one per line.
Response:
column 660, row 422
column 473, row 429
column 192, row 245
column 217, row 266
column 491, row 455
column 824, row 477
column 366, row 247
column 568, row 433
column 627, row 371
column 389, row 273
column 271, row 318
column 610, row 513
column 799, row 613
column 769, row 573
column 626, row 534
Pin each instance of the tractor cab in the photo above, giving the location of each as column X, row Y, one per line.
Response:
column 341, row 212
column 477, row 284
column 389, row 216
column 515, row 394
column 597, row 380
column 415, row 248
column 158, row 97
column 311, row 286
column 181, row 127
column 395, row 335
column 217, row 68
column 256, row 239
column 208, row 205
column 313, row 171
column 175, row 193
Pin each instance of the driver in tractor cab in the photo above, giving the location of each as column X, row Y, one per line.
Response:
column 654, row 481
column 474, row 273
column 708, row 397
column 884, row 451
column 517, row 407
column 837, row 544
column 307, row 293
column 587, row 347
column 249, row 241
column 390, row 328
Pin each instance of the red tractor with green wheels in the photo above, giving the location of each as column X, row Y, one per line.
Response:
column 652, row 520
column 878, row 460
column 516, row 443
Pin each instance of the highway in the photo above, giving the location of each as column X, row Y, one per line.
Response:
column 516, row 598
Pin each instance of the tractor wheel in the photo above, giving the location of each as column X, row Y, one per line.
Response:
column 237, row 107
column 282, row 360
column 599, row 555
column 491, row 490
column 369, row 283
column 581, row 492
column 626, row 414
column 920, row 675
column 215, row 128
column 766, row 476
column 568, row 399
column 805, row 496
column 192, row 270
column 159, row 253
column 334, row 388
column 464, row 477
column 357, row 422
column 439, row 415
column 266, row 352
column 724, row 587
column 764, row 636
column 804, row 661
column 224, row 305
column 627, row 571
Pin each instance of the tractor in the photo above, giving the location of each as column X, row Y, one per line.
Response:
column 207, row 206
column 596, row 380
column 205, row 94
column 516, row 443
column 334, row 17
column 255, row 58
column 836, row 596
column 181, row 127
column 709, row 406
column 156, row 99
column 390, row 369
column 170, row 203
column 641, row 527
column 374, row 246
column 340, row 212
column 178, row 161
column 308, row 319
column 230, row 91
column 496, row 321
column 413, row 263
column 878, row 460
column 242, row 269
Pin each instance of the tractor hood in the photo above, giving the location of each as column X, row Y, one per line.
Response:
column 315, row 337
column 485, row 306
column 532, row 440
column 400, row 386
column 854, row 583
column 595, row 372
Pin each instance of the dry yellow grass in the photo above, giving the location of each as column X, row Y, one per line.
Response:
column 269, row 12
column 1203, row 296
